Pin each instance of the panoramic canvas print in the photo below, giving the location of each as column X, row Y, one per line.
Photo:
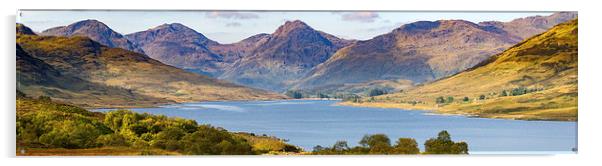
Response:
column 210, row 82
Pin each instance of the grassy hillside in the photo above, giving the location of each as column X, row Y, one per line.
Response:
column 535, row 79
column 84, row 59
column 45, row 127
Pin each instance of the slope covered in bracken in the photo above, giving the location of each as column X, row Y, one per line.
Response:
column 535, row 79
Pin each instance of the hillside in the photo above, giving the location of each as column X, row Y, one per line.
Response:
column 82, row 58
column 37, row 78
column 535, row 80
column 96, row 31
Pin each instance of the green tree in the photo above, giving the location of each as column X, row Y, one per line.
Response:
column 482, row 97
column 465, row 99
column 406, row 146
column 444, row 145
column 373, row 140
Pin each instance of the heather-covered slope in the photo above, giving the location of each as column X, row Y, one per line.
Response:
column 535, row 79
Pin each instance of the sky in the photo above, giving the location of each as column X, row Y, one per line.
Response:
column 233, row 26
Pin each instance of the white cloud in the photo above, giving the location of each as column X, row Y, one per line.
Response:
column 366, row 17
column 232, row 15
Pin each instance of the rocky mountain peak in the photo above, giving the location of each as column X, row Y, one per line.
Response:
column 291, row 26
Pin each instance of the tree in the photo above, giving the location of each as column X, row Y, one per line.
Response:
column 340, row 146
column 294, row 94
column 373, row 140
column 406, row 146
column 71, row 134
column 375, row 92
column 321, row 95
column 440, row 100
column 465, row 99
column 318, row 148
column 482, row 97
column 444, row 135
column 444, row 145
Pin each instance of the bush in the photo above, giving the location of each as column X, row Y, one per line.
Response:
column 112, row 140
column 70, row 134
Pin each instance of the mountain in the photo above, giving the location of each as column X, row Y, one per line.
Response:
column 418, row 52
column 535, row 80
column 424, row 51
column 96, row 31
column 523, row 28
column 81, row 58
column 277, row 60
column 180, row 46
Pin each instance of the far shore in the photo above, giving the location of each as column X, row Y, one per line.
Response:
column 168, row 103
column 443, row 111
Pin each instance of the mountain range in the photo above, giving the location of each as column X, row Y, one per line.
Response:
column 535, row 79
column 424, row 51
column 82, row 71
column 297, row 57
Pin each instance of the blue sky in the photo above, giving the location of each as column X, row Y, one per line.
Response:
column 233, row 26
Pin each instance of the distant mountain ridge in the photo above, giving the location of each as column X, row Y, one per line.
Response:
column 423, row 51
column 96, row 31
column 296, row 56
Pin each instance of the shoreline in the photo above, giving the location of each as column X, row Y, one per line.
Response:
column 156, row 105
column 441, row 111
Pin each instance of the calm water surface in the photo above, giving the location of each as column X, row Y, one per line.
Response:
column 308, row 123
